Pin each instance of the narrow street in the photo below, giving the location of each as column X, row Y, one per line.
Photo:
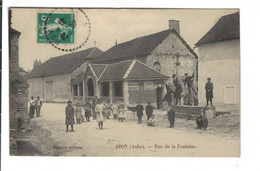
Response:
column 126, row 138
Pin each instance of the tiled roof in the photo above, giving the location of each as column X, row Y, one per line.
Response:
column 141, row 71
column 130, row 70
column 115, row 71
column 136, row 48
column 64, row 64
column 226, row 28
column 79, row 79
column 98, row 68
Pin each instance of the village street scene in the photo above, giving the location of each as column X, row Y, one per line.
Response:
column 155, row 92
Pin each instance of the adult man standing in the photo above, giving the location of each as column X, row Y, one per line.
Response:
column 139, row 111
column 189, row 81
column 177, row 94
column 209, row 91
column 149, row 111
column 32, row 107
column 38, row 106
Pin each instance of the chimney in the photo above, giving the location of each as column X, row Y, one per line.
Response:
column 174, row 24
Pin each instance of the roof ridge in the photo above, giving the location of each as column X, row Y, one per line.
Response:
column 92, row 70
column 185, row 43
column 131, row 66
column 121, row 62
column 102, row 73
column 142, row 37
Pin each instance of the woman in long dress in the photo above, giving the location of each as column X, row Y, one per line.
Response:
column 69, row 112
column 99, row 109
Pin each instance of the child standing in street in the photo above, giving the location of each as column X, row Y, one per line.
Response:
column 99, row 109
column 171, row 117
column 121, row 116
column 107, row 109
column 87, row 109
column 78, row 113
column 115, row 111
column 69, row 112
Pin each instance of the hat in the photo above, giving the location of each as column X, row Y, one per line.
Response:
column 209, row 79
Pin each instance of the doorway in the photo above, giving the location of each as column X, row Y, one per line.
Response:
column 230, row 94
column 90, row 85
column 159, row 97
column 49, row 91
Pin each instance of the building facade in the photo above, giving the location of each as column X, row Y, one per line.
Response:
column 18, row 85
column 161, row 51
column 51, row 80
column 219, row 59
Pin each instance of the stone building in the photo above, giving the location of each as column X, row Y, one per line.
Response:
column 18, row 84
column 219, row 59
column 160, row 51
column 51, row 80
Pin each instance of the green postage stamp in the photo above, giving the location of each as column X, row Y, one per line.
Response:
column 57, row 28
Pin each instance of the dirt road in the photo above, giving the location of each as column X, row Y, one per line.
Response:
column 125, row 138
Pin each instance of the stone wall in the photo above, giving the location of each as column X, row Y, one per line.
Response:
column 18, row 104
column 14, row 54
column 165, row 53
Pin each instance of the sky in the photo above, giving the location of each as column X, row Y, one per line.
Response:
column 109, row 25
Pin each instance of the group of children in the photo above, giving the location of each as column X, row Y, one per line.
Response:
column 101, row 111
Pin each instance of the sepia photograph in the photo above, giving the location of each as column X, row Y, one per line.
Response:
column 124, row 82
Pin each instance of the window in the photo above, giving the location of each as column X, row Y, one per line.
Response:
column 75, row 90
column 118, row 89
column 157, row 66
column 105, row 89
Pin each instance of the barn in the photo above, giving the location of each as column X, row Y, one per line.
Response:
column 51, row 80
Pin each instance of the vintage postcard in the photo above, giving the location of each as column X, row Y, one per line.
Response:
column 124, row 82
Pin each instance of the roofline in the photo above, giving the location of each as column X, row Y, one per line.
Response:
column 87, row 58
column 48, row 75
column 152, row 68
column 130, row 68
column 198, row 44
column 140, row 79
column 92, row 70
column 121, row 60
column 215, row 42
column 185, row 43
column 102, row 73
column 147, row 79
